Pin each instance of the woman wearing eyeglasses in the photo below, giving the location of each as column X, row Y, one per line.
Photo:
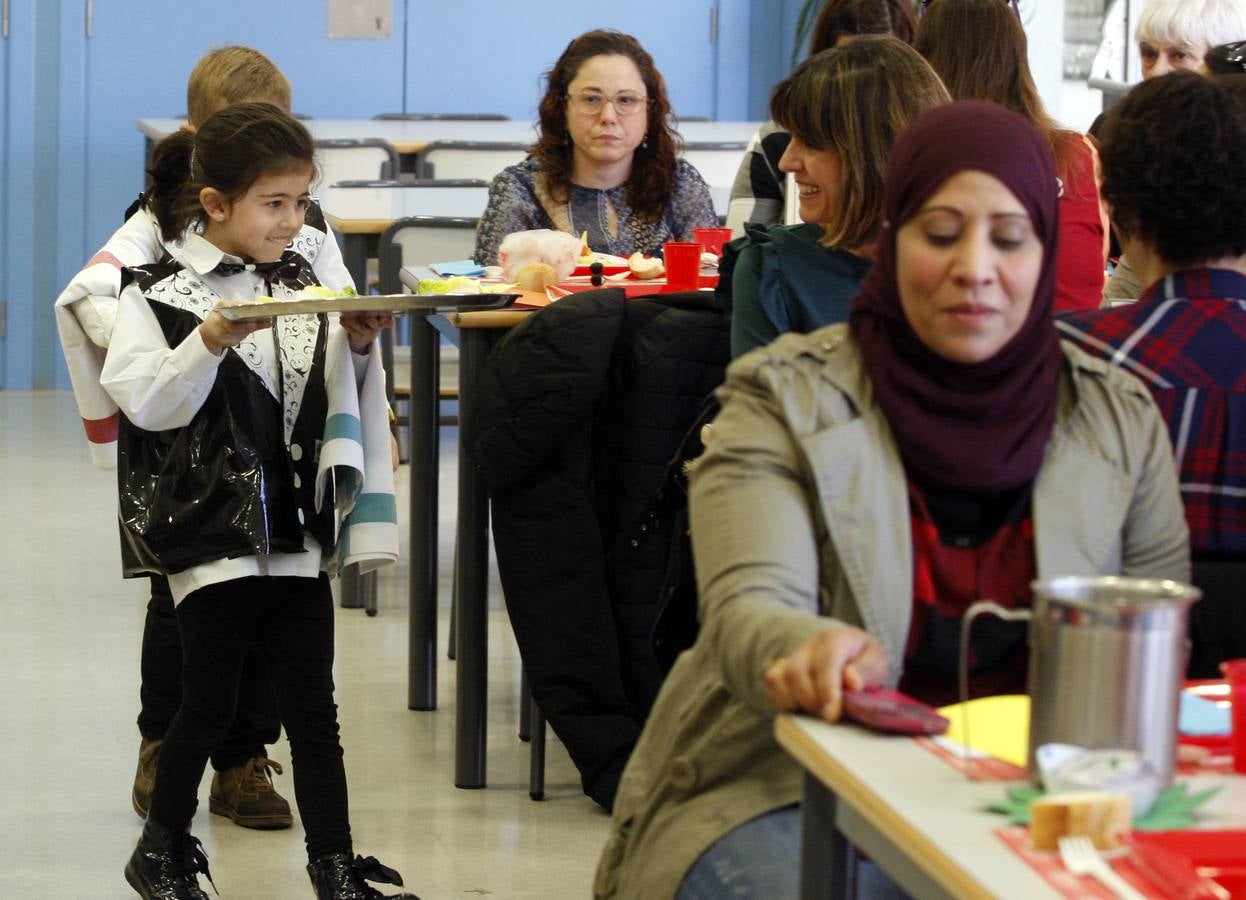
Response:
column 993, row 66
column 606, row 159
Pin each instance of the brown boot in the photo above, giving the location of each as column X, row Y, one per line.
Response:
column 145, row 777
column 246, row 794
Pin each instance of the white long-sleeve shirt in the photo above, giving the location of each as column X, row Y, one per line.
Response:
column 158, row 387
column 86, row 313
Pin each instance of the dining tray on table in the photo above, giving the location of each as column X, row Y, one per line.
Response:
column 268, row 309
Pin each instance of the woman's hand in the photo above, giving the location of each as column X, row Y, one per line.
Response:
column 363, row 327
column 813, row 677
column 219, row 332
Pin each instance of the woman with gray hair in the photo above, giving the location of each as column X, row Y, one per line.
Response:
column 1172, row 35
column 1176, row 34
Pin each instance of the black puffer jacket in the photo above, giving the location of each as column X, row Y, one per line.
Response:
column 578, row 411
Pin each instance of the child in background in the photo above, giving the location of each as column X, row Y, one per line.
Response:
column 242, row 787
column 250, row 463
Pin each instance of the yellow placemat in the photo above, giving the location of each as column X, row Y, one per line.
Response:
column 998, row 726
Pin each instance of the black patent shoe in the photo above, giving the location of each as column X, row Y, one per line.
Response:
column 338, row 876
column 166, row 863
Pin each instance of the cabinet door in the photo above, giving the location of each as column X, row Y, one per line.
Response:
column 140, row 54
column 485, row 56
column 23, row 209
column 6, row 129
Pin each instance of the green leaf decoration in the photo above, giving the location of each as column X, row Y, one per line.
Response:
column 1173, row 809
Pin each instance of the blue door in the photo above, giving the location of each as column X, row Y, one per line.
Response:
column 6, row 128
column 485, row 56
column 141, row 52
column 25, row 207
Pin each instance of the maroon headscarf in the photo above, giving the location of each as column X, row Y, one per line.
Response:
column 979, row 427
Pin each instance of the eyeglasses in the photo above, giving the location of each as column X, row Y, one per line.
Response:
column 591, row 103
column 1227, row 59
column 921, row 10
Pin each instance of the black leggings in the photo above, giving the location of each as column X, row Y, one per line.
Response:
column 160, row 693
column 291, row 621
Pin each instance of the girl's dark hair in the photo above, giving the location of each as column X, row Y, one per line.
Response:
column 978, row 48
column 652, row 181
column 232, row 150
column 851, row 18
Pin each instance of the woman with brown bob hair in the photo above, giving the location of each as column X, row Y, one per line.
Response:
column 993, row 66
column 843, row 109
column 759, row 192
column 606, row 161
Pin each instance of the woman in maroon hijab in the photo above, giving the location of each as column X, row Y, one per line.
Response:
column 865, row 483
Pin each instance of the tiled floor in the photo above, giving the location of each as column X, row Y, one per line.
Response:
column 69, row 651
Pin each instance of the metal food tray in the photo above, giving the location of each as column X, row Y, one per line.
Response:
column 250, row 312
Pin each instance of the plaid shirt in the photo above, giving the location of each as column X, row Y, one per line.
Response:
column 1186, row 340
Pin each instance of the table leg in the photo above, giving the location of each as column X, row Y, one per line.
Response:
column 471, row 578
column 351, row 590
column 422, row 584
column 827, row 858
column 355, row 258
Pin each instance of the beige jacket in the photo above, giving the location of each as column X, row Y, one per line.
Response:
column 799, row 512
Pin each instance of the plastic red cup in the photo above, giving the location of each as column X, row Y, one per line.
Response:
column 712, row 239
column 1235, row 674
column 683, row 265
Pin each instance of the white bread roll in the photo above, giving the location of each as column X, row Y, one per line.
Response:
column 536, row 277
column 1101, row 816
column 645, row 267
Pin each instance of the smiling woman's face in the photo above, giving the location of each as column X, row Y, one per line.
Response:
column 967, row 265
column 819, row 178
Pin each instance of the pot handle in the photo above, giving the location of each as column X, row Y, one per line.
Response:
column 982, row 607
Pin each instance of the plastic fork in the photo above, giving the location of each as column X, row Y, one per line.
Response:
column 1081, row 858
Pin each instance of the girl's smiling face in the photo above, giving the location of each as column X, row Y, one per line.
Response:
column 258, row 225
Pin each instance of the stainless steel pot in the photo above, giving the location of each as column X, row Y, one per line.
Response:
column 1107, row 663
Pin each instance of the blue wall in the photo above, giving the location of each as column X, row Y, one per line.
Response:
column 71, row 157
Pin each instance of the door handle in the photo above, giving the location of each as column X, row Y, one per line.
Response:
column 4, row 18
column 90, row 17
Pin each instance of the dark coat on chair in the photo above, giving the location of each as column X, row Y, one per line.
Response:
column 578, row 411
